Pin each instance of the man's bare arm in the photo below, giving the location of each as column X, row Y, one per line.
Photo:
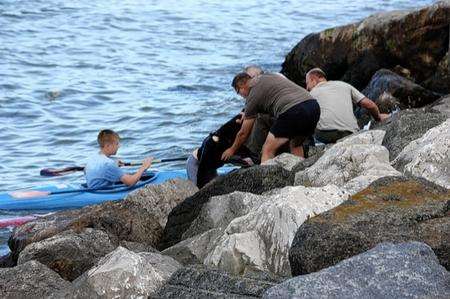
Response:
column 240, row 139
column 373, row 109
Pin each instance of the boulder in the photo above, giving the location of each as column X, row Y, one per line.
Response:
column 285, row 160
column 30, row 280
column 137, row 247
column 408, row 93
column 394, row 209
column 125, row 274
column 428, row 156
column 440, row 80
column 352, row 163
column 257, row 180
column 406, row 270
column 160, row 199
column 353, row 53
column 198, row 282
column 406, row 126
column 69, row 253
column 260, row 239
column 123, row 221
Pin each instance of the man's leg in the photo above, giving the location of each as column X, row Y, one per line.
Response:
column 271, row 145
column 259, row 133
column 296, row 146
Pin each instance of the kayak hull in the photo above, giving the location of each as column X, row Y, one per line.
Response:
column 76, row 196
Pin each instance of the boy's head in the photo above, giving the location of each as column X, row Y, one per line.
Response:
column 108, row 140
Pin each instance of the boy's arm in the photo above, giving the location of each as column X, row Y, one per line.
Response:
column 131, row 179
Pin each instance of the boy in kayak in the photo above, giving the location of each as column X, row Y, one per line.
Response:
column 102, row 171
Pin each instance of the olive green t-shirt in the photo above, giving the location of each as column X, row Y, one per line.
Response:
column 273, row 94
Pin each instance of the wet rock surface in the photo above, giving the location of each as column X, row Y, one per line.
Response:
column 395, row 209
column 255, row 180
column 406, row 270
column 30, row 280
column 354, row 52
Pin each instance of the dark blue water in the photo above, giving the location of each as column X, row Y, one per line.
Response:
column 158, row 72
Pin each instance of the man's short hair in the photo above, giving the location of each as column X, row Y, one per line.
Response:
column 317, row 72
column 107, row 137
column 239, row 79
column 253, row 70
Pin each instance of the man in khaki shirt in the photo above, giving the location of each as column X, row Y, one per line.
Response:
column 336, row 99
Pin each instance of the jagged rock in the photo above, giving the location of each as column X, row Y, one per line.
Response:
column 257, row 180
column 260, row 239
column 440, row 80
column 395, row 209
column 406, row 126
column 407, row 270
column 123, row 221
column 353, row 53
column 198, row 282
column 69, row 253
column 30, row 280
column 442, row 106
column 408, row 93
column 125, row 274
column 285, row 160
column 428, row 156
column 160, row 199
column 352, row 163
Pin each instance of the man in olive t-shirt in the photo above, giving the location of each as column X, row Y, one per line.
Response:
column 296, row 113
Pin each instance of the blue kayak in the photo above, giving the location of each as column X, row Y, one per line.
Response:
column 60, row 197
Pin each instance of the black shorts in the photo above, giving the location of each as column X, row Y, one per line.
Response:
column 299, row 121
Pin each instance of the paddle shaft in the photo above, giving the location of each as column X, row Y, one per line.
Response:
column 63, row 171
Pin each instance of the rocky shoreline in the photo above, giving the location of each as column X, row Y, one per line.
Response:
column 366, row 217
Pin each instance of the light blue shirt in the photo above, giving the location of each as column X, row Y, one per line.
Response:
column 102, row 171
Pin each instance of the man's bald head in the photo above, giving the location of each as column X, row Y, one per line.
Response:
column 313, row 77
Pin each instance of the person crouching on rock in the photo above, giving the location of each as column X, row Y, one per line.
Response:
column 336, row 99
column 296, row 113
column 102, row 171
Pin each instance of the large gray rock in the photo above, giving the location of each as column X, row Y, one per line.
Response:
column 285, row 160
column 257, row 179
column 123, row 221
column 428, row 156
column 353, row 53
column 352, row 163
column 408, row 93
column 198, row 282
column 260, row 239
column 160, row 199
column 246, row 233
column 30, row 280
column 407, row 270
column 69, row 253
column 406, row 126
column 395, row 209
column 125, row 274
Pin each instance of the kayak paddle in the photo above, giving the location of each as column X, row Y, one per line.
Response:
column 67, row 170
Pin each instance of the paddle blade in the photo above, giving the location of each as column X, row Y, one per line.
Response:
column 59, row 172
column 29, row 194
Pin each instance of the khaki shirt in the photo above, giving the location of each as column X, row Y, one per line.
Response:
column 336, row 99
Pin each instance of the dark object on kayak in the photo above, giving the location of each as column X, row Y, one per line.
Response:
column 210, row 152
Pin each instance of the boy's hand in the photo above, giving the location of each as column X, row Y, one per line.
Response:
column 147, row 162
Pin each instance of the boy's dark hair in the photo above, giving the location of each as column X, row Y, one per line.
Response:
column 239, row 79
column 106, row 137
